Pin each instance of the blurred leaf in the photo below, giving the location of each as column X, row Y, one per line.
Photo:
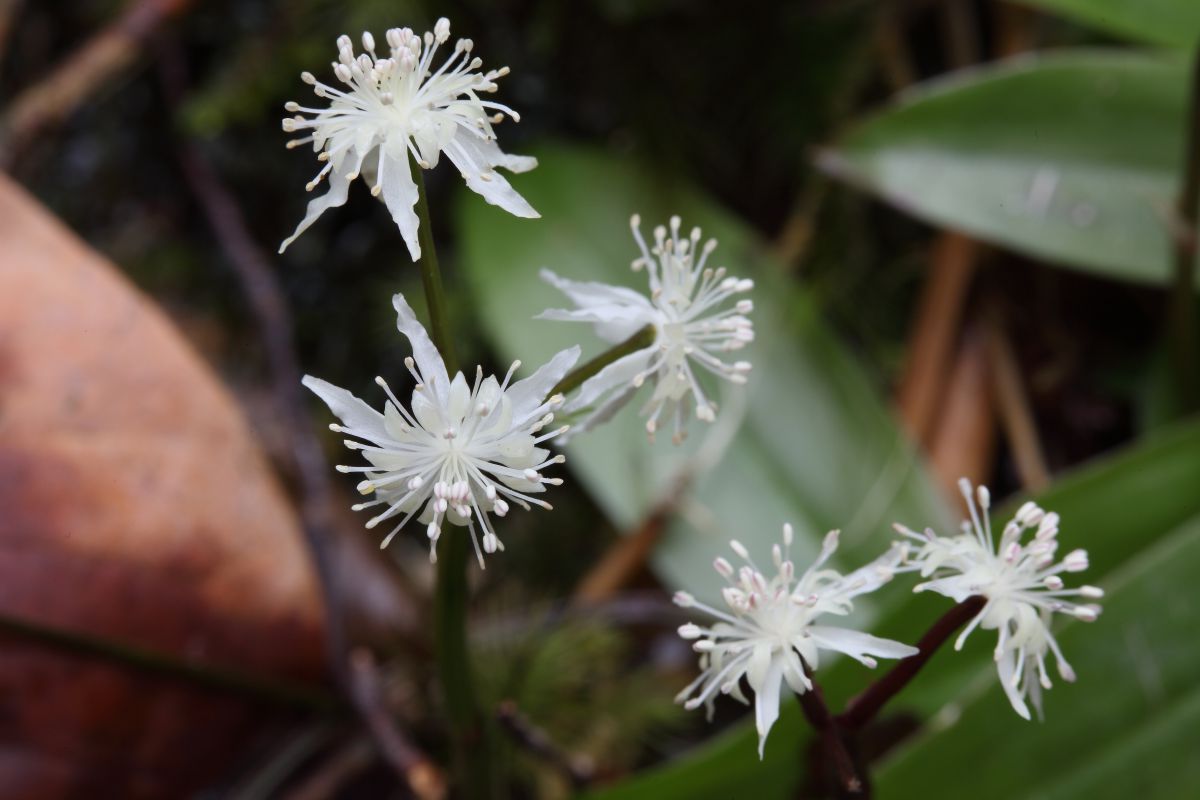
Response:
column 1069, row 157
column 1116, row 508
column 810, row 441
column 136, row 507
column 1167, row 22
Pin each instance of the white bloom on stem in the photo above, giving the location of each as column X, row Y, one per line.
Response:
column 693, row 328
column 461, row 451
column 1021, row 584
column 769, row 634
column 395, row 106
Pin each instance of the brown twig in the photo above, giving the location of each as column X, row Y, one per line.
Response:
column 100, row 59
column 366, row 686
column 577, row 769
column 965, row 438
column 960, row 33
column 628, row 554
column 267, row 302
column 812, row 703
column 1015, row 414
column 8, row 14
column 345, row 762
column 935, row 327
column 863, row 708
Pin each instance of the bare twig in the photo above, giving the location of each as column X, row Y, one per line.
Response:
column 960, row 33
column 266, row 299
column 271, row 690
column 345, row 762
column 8, row 14
column 935, row 327
column 366, row 686
column 628, row 554
column 965, row 439
column 103, row 57
column 577, row 769
column 863, row 708
column 1015, row 413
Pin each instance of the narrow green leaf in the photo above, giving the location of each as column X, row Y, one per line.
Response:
column 1174, row 23
column 1069, row 157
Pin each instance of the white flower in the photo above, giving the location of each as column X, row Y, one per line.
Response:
column 771, row 626
column 691, row 330
column 396, row 106
column 461, row 452
column 1020, row 582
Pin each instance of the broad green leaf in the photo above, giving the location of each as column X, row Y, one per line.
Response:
column 1115, row 508
column 1069, row 157
column 1174, row 23
column 807, row 441
column 1136, row 687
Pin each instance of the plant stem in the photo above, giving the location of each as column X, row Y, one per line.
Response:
column 271, row 690
column 573, row 379
column 1182, row 314
column 812, row 703
column 863, row 708
column 468, row 724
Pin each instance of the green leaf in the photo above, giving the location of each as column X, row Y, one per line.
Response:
column 807, row 440
column 1174, row 23
column 1069, row 157
column 1115, row 508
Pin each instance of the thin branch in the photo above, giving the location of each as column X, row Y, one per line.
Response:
column 273, row 690
column 78, row 77
column 579, row 770
column 866, row 706
column 423, row 778
column 331, row 773
column 1182, row 303
column 627, row 556
column 1012, row 402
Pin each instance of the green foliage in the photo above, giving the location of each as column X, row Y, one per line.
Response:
column 809, row 443
column 1175, row 23
column 1071, row 157
column 1136, row 513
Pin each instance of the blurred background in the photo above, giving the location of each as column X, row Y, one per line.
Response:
column 972, row 229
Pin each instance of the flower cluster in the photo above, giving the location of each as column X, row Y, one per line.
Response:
column 461, row 452
column 1022, row 584
column 396, row 107
column 693, row 328
column 769, row 635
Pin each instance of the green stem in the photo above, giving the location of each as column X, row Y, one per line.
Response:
column 277, row 692
column 468, row 724
column 573, row 379
column 1183, row 295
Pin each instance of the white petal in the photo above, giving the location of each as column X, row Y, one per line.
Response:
column 586, row 294
column 433, row 368
column 400, row 195
column 616, row 376
column 528, row 394
column 497, row 158
column 465, row 151
column 339, row 188
column 766, row 703
column 857, row 644
column 1006, row 667
column 357, row 417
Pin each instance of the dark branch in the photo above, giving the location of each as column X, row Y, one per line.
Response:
column 577, row 769
column 863, row 708
column 812, row 703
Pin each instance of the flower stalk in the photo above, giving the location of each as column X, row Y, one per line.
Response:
column 863, row 708
column 468, row 725
column 640, row 340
